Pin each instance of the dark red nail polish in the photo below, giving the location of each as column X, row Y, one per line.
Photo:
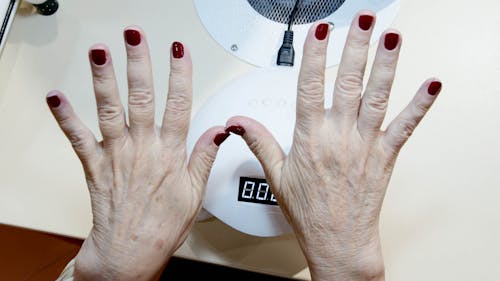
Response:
column 177, row 50
column 391, row 41
column 365, row 22
column 53, row 101
column 434, row 88
column 98, row 56
column 133, row 37
column 235, row 129
column 322, row 31
column 220, row 138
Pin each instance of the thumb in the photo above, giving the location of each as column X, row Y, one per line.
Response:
column 203, row 155
column 262, row 144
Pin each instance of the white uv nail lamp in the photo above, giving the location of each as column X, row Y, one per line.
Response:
column 252, row 30
column 237, row 192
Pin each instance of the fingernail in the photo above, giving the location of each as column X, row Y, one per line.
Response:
column 391, row 41
column 434, row 88
column 322, row 31
column 98, row 56
column 133, row 37
column 177, row 50
column 53, row 101
column 235, row 129
column 220, row 138
column 365, row 22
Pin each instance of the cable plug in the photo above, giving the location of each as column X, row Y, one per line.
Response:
column 286, row 54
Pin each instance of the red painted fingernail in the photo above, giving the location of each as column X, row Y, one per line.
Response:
column 365, row 22
column 235, row 129
column 322, row 31
column 220, row 138
column 53, row 101
column 98, row 56
column 133, row 37
column 434, row 88
column 391, row 41
column 177, row 50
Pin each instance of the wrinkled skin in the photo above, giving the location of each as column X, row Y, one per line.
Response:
column 145, row 192
column 332, row 183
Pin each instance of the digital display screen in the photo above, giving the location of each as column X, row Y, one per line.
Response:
column 255, row 191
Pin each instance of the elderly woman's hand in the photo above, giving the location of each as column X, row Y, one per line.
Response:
column 145, row 193
column 332, row 183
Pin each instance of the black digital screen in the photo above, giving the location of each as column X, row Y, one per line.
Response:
column 255, row 191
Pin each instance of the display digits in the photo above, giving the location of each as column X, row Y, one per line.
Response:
column 255, row 191
column 248, row 190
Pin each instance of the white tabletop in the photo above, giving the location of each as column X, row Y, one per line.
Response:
column 441, row 216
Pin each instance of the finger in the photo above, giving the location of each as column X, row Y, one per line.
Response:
column 349, row 82
column 203, row 155
column 140, row 82
column 262, row 143
column 374, row 101
column 80, row 137
column 178, row 109
column 310, row 87
column 404, row 124
column 109, row 107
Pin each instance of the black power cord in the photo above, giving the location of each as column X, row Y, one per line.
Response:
column 286, row 53
column 291, row 18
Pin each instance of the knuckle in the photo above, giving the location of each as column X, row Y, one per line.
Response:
column 386, row 66
column 256, row 146
column 406, row 129
column 178, row 69
column 313, row 68
column 140, row 97
column 137, row 57
column 180, row 84
column 350, row 83
column 420, row 109
column 377, row 101
column 65, row 121
column 109, row 113
column 311, row 83
column 358, row 42
column 311, row 89
column 319, row 52
column 178, row 104
column 206, row 159
column 102, row 79
column 80, row 142
column 315, row 56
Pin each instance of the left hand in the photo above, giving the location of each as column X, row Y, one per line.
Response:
column 145, row 192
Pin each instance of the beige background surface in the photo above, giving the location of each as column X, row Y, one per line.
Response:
column 441, row 217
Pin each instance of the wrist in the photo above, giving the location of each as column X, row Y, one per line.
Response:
column 349, row 259
column 88, row 268
column 116, row 262
column 362, row 267
column 347, row 269
column 91, row 268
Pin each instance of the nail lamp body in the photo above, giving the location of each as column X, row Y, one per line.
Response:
column 244, row 32
column 267, row 95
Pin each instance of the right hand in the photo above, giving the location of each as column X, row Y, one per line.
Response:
column 332, row 183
